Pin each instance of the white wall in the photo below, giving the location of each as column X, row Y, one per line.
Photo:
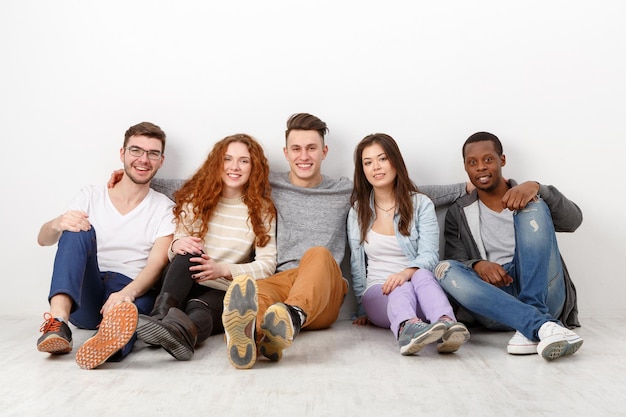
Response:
column 547, row 77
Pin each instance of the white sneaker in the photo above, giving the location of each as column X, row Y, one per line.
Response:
column 557, row 341
column 520, row 345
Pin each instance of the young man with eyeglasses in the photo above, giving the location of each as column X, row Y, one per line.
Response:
column 112, row 248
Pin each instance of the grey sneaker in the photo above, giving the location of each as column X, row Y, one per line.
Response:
column 455, row 335
column 239, row 318
column 56, row 338
column 556, row 341
column 415, row 334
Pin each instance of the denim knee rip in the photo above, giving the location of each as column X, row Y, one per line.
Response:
column 441, row 269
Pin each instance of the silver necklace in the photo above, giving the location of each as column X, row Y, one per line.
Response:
column 386, row 211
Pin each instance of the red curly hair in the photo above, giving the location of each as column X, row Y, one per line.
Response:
column 204, row 189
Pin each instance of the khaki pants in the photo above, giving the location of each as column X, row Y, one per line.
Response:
column 316, row 286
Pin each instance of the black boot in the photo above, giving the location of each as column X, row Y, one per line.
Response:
column 162, row 305
column 145, row 324
column 175, row 333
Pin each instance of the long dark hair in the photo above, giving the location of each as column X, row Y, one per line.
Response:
column 403, row 186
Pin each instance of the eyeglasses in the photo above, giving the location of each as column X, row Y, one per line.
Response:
column 138, row 152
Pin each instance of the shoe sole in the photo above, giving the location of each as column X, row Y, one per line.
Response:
column 114, row 332
column 55, row 344
column 452, row 339
column 239, row 318
column 573, row 347
column 521, row 350
column 152, row 332
column 432, row 335
column 145, row 330
column 553, row 350
column 271, row 351
column 277, row 331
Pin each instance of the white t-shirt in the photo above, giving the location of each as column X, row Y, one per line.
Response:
column 125, row 241
column 384, row 257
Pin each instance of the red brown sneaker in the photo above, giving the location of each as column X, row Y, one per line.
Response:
column 56, row 338
column 115, row 331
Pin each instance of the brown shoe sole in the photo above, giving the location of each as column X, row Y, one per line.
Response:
column 114, row 332
column 55, row 345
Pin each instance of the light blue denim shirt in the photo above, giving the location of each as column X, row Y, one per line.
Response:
column 421, row 247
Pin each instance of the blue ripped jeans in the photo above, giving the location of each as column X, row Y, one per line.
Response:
column 76, row 274
column 537, row 293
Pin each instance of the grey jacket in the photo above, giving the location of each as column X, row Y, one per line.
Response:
column 460, row 244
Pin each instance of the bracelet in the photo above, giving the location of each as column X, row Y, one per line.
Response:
column 172, row 246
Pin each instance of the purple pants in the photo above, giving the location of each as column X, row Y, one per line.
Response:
column 421, row 297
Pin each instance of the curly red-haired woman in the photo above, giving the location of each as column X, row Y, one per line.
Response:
column 226, row 226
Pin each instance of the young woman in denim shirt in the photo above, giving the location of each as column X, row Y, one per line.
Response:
column 394, row 240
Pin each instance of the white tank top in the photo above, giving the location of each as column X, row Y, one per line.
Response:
column 384, row 257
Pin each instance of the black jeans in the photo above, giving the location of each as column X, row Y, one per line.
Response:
column 203, row 305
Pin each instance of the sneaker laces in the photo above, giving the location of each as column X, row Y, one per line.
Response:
column 50, row 324
column 414, row 320
column 551, row 328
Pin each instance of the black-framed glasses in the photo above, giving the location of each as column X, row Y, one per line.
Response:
column 137, row 152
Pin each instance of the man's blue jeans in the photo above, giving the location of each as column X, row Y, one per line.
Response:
column 76, row 274
column 537, row 293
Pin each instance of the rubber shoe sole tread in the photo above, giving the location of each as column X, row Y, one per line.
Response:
column 239, row 319
column 55, row 344
column 152, row 332
column 550, row 350
column 455, row 335
column 556, row 341
column 277, row 331
column 115, row 331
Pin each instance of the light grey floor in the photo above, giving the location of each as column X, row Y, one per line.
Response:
column 343, row 371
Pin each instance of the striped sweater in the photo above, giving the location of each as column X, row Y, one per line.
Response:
column 230, row 240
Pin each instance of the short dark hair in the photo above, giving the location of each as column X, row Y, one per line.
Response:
column 482, row 136
column 306, row 121
column 147, row 129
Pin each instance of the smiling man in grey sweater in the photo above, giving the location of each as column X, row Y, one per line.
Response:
column 308, row 289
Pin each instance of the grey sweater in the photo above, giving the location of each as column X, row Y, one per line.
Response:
column 309, row 217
